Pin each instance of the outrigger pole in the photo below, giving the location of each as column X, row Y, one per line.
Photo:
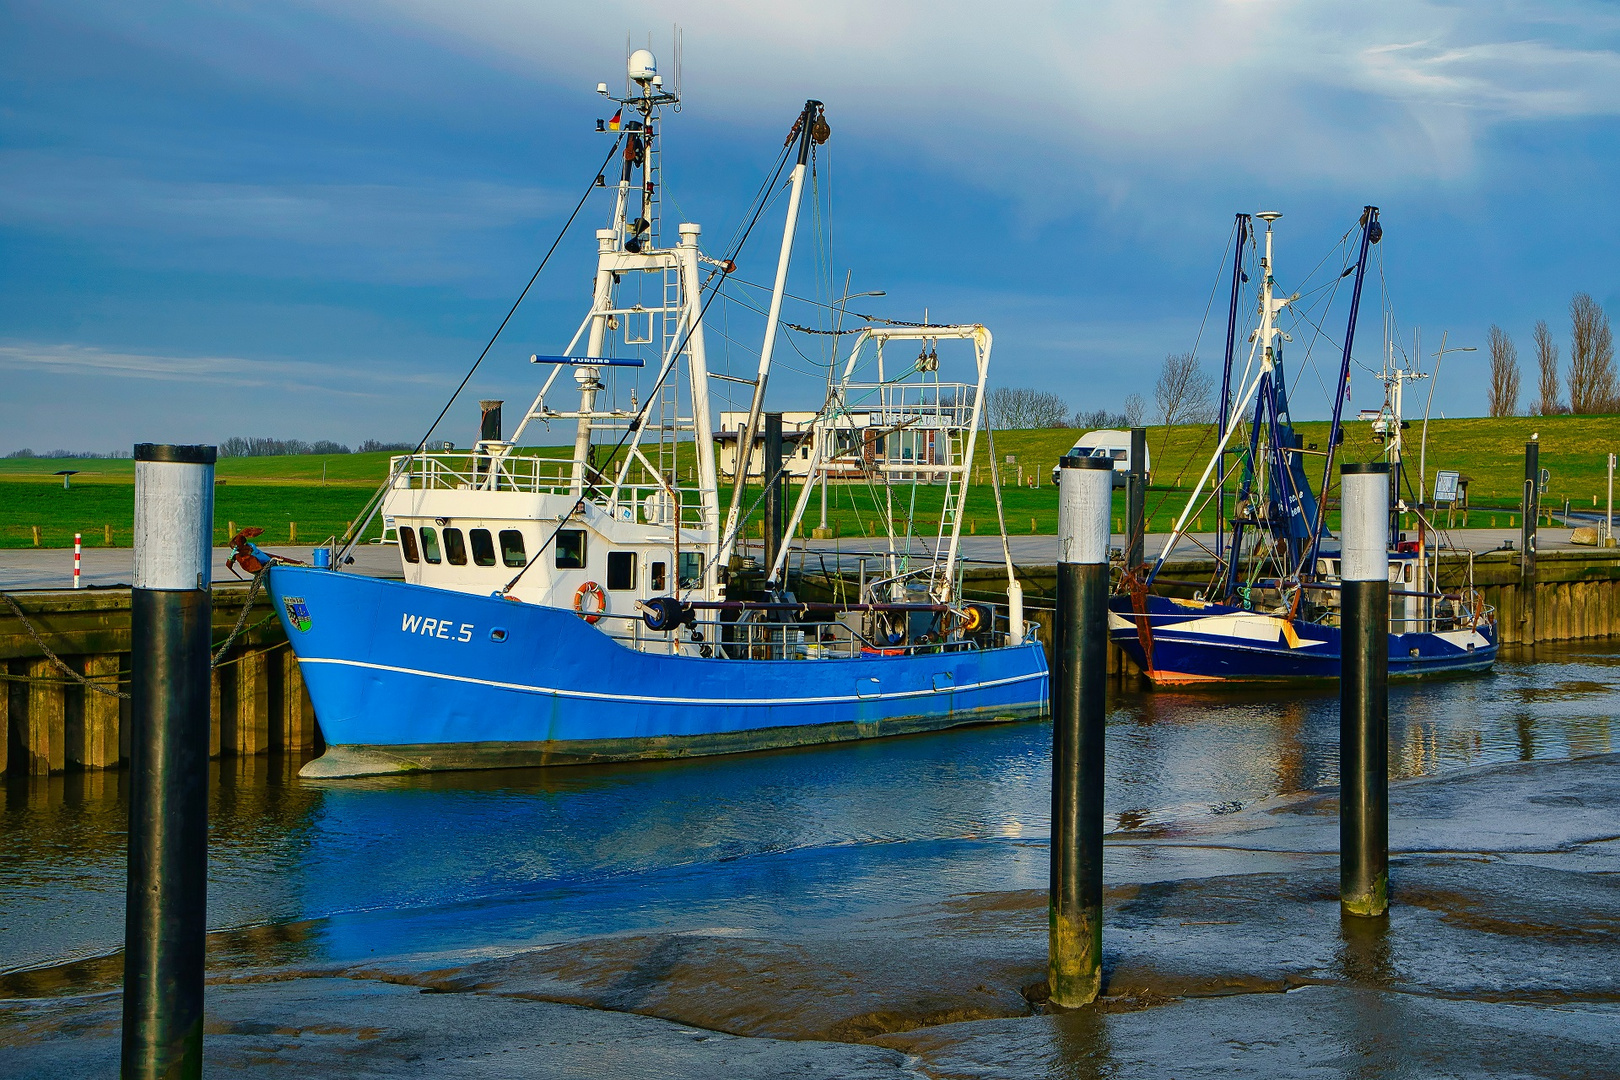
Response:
column 807, row 130
column 1371, row 233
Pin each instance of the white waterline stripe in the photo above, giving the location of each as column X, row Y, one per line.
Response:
column 646, row 700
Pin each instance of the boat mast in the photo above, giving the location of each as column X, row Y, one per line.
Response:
column 1225, row 403
column 1262, row 339
column 811, row 127
column 625, row 235
column 1371, row 233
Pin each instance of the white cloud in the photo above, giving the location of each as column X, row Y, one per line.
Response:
column 1290, row 88
column 62, row 360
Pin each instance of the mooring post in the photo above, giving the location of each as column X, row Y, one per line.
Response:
column 1608, row 513
column 1527, row 540
column 1364, row 690
column 1136, row 500
column 1079, row 709
column 170, row 615
column 1609, row 510
column 775, row 497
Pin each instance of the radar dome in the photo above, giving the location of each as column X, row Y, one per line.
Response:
column 643, row 66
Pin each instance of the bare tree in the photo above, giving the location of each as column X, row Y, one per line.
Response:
column 1591, row 357
column 1024, row 407
column 1547, row 403
column 1135, row 410
column 1100, row 418
column 1504, row 397
column 1183, row 391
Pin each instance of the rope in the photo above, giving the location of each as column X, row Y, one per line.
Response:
column 123, row 674
column 57, row 660
column 253, row 592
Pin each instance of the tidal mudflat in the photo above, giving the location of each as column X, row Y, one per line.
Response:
column 879, row 909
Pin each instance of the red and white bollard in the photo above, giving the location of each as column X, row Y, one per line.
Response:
column 78, row 553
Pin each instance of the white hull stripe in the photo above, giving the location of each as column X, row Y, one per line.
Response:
column 592, row 695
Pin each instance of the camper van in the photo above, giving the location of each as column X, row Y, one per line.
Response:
column 1108, row 444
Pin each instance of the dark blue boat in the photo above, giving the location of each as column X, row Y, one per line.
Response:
column 1269, row 613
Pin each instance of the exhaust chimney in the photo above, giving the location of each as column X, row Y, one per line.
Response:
column 489, row 424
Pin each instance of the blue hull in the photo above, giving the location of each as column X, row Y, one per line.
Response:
column 410, row 677
column 1214, row 643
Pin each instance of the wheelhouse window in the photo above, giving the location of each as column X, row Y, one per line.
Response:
column 571, row 549
column 512, row 553
column 407, row 544
column 691, row 569
column 660, row 577
column 430, row 544
column 455, row 547
column 621, row 572
column 483, row 547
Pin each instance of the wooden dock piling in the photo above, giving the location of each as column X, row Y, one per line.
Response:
column 50, row 724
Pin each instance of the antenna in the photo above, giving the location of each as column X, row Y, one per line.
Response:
column 677, row 46
column 1268, row 216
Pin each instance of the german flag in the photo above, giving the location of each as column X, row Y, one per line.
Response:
column 613, row 124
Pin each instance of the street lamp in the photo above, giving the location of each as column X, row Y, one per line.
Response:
column 821, row 530
column 1423, row 447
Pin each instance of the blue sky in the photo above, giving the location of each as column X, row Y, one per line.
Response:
column 305, row 219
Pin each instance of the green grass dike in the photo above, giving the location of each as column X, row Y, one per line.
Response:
column 321, row 495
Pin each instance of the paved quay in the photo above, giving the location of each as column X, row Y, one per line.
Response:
column 52, row 568
column 37, row 569
column 1226, row 956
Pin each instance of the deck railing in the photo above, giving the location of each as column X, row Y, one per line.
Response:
column 648, row 500
column 810, row 639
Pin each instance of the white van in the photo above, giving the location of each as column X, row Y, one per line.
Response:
column 1107, row 444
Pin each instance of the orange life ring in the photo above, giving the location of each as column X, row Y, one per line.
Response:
column 590, row 588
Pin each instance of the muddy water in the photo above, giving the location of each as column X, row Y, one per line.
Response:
column 459, row 864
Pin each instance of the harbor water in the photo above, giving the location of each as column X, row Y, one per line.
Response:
column 455, row 865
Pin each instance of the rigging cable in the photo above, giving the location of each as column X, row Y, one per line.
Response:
column 375, row 502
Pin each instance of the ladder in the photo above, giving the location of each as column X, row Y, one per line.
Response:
column 669, row 326
column 950, row 511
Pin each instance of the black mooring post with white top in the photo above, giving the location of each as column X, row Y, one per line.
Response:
column 1079, row 709
column 170, row 624
column 1530, row 514
column 1364, row 690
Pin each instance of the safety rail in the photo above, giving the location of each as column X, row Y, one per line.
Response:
column 800, row 639
column 648, row 501
column 898, row 429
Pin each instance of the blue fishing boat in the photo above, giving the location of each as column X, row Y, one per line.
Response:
column 1269, row 613
column 599, row 606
